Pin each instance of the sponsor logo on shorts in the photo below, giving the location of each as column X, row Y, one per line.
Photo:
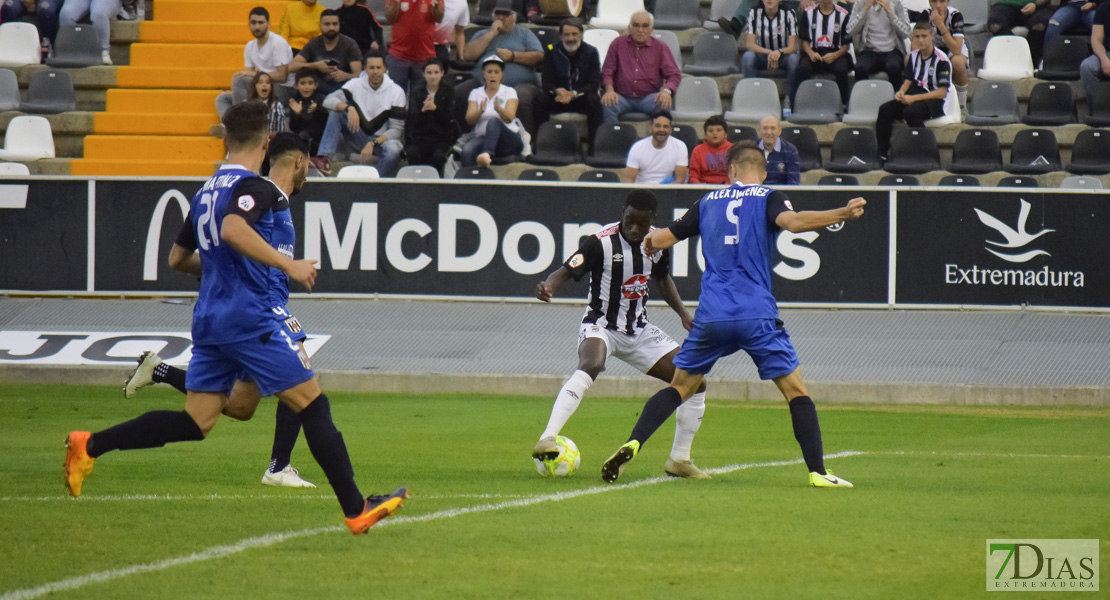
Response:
column 636, row 287
column 293, row 325
column 301, row 354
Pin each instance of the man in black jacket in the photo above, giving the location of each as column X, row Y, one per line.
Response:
column 572, row 76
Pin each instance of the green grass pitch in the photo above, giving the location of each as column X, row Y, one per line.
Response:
column 192, row 520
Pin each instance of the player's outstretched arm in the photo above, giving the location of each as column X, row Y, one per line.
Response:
column 245, row 240
column 659, row 239
column 669, row 292
column 184, row 260
column 812, row 220
column 547, row 288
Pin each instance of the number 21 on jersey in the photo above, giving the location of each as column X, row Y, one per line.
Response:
column 208, row 202
column 734, row 218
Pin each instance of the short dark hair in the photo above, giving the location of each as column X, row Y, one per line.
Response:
column 260, row 11
column 329, row 12
column 717, row 120
column 305, row 73
column 641, row 200
column 246, row 124
column 662, row 113
column 432, row 61
column 923, row 24
column 285, row 143
column 746, row 154
column 574, row 22
column 372, row 54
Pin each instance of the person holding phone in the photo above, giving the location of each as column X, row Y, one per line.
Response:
column 334, row 57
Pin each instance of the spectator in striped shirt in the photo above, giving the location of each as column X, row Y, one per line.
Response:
column 739, row 21
column 927, row 76
column 948, row 37
column 879, row 29
column 772, row 43
column 822, row 29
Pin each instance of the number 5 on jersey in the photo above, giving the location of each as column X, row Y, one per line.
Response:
column 734, row 218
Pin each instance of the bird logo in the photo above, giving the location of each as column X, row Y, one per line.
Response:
column 1015, row 238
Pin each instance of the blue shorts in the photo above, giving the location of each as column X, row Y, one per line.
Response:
column 273, row 360
column 765, row 340
column 291, row 325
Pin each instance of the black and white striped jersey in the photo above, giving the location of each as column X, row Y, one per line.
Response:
column 825, row 33
column 954, row 22
column 619, row 274
column 928, row 72
column 772, row 34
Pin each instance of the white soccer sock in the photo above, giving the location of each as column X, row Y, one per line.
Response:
column 567, row 402
column 687, row 421
column 961, row 96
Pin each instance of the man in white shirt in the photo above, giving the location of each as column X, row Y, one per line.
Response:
column 658, row 158
column 456, row 16
column 269, row 53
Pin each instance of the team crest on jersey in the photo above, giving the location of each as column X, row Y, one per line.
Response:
column 788, row 205
column 576, row 260
column 293, row 325
column 636, row 287
column 246, row 202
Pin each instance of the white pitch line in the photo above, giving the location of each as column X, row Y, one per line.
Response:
column 161, row 497
column 214, row 552
column 985, row 454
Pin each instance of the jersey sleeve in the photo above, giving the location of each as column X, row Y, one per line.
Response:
column 687, row 225
column 582, row 262
column 662, row 267
column 956, row 27
column 944, row 74
column 251, row 199
column 187, row 237
column 777, row 203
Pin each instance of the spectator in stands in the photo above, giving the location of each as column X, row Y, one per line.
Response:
column 262, row 89
column 572, row 76
column 492, row 110
column 413, row 37
column 334, row 56
column 772, row 43
column 267, row 53
column 520, row 51
column 948, row 37
column 879, row 29
column 1072, row 14
column 709, row 161
column 1096, row 68
column 45, row 11
column 100, row 12
column 739, row 21
column 927, row 76
column 1034, row 15
column 456, row 16
column 357, row 22
column 822, row 31
column 639, row 74
column 658, row 158
column 300, row 23
column 369, row 112
column 431, row 129
column 307, row 115
column 783, row 161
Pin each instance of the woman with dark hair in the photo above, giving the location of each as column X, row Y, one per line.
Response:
column 431, row 129
column 491, row 109
column 262, row 88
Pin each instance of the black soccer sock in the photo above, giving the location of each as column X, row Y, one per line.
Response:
column 808, row 433
column 287, row 426
column 658, row 409
column 151, row 430
column 174, row 376
column 327, row 447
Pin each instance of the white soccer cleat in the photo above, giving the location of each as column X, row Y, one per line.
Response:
column 143, row 375
column 287, row 477
column 684, row 468
column 828, row 480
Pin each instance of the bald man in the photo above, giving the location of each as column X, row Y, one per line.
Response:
column 783, row 162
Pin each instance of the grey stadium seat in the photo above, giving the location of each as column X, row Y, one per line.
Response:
column 417, row 172
column 976, row 151
column 854, row 150
column 993, row 103
column 867, row 96
column 816, row 103
column 677, row 14
column 718, row 9
column 913, row 150
column 809, row 147
column 1034, row 152
column 753, row 99
column 715, row 54
column 697, row 99
column 50, row 92
column 76, row 46
column 1051, row 103
column 1090, row 153
column 670, row 38
column 1079, row 182
column 9, row 90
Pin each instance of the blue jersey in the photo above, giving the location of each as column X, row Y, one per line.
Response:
column 737, row 228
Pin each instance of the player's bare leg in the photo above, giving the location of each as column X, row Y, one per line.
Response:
column 807, row 429
column 687, row 422
column 591, row 362
column 959, row 79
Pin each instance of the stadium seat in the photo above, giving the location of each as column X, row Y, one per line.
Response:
column 615, row 14
column 715, row 55
column 1062, row 57
column 1099, row 108
column 359, row 172
column 13, row 169
column 959, row 181
column 538, row 175
column 677, row 14
column 457, row 78
column 19, row 45
column 975, row 15
column 688, row 135
column 557, row 143
column 753, row 99
column 718, row 9
column 816, row 103
column 1018, row 182
column 738, row 133
column 898, row 180
column 1080, row 182
column 854, row 150
column 994, row 103
column 417, row 172
column 838, row 180
column 1090, row 153
column 9, row 90
column 697, row 99
column 28, row 138
column 600, row 39
column 809, row 148
column 1050, row 104
column 611, row 145
column 670, row 38
column 1034, row 152
column 599, row 177
column 475, row 173
column 913, row 150
column 867, row 96
column 76, row 46
column 50, row 92
column 1006, row 58
column 548, row 36
column 976, row 151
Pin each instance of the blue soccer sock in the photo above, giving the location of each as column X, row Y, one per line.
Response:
column 329, row 450
column 656, row 412
column 807, row 431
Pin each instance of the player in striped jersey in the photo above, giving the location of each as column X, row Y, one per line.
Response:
column 772, row 42
column 948, row 37
column 926, row 78
column 616, row 323
column 823, row 33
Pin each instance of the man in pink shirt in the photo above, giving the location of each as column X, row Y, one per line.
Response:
column 639, row 74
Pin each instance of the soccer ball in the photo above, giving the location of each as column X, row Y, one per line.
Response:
column 563, row 465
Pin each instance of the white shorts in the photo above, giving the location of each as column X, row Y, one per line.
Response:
column 641, row 350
